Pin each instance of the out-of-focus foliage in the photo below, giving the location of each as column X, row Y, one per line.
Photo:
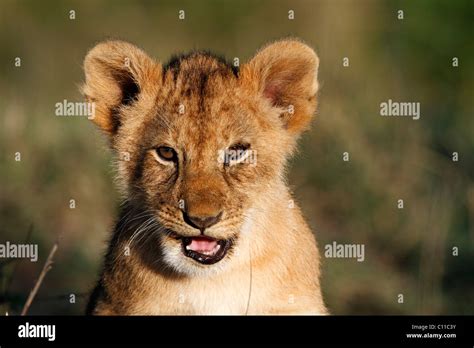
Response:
column 408, row 251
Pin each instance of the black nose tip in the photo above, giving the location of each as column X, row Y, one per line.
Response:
column 201, row 222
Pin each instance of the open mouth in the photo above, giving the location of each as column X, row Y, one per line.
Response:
column 205, row 250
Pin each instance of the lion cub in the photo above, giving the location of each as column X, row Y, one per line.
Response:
column 208, row 225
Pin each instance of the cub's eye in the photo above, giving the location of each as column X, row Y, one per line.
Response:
column 166, row 153
column 237, row 153
column 239, row 147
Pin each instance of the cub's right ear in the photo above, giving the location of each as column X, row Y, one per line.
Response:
column 116, row 74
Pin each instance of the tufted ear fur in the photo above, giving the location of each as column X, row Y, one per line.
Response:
column 116, row 74
column 285, row 73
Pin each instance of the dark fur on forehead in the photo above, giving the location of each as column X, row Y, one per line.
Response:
column 174, row 64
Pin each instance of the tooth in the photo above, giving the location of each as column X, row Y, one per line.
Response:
column 188, row 247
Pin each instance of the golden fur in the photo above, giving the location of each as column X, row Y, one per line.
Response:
column 200, row 106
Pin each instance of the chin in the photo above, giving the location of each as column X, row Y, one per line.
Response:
column 198, row 256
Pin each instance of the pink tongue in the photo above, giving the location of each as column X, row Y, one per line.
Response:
column 202, row 244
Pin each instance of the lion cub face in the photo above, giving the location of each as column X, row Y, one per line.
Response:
column 200, row 144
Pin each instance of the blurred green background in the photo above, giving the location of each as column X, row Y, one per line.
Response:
column 408, row 251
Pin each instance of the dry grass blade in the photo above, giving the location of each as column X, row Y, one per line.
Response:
column 47, row 266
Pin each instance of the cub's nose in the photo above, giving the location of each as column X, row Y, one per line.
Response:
column 201, row 222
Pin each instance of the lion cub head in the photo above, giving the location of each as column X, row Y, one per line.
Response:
column 200, row 142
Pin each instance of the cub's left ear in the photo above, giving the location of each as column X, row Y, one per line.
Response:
column 117, row 73
column 285, row 73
